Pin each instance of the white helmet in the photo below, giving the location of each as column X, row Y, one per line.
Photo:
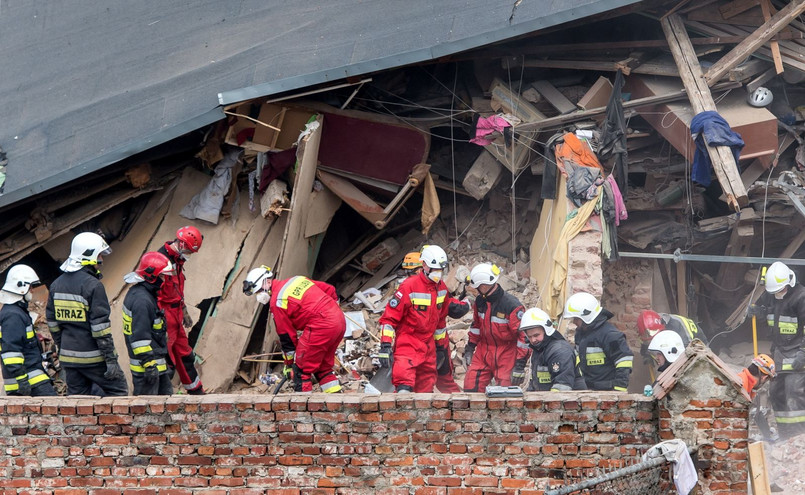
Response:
column 536, row 317
column 778, row 276
column 760, row 97
column 582, row 305
column 434, row 257
column 84, row 250
column 19, row 280
column 484, row 273
column 669, row 343
column 255, row 279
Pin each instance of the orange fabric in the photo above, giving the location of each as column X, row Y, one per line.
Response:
column 576, row 151
column 749, row 382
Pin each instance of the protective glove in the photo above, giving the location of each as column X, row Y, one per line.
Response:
column 287, row 371
column 457, row 310
column 442, row 365
column 24, row 386
column 518, row 372
column 187, row 321
column 468, row 352
column 107, row 347
column 385, row 355
column 151, row 374
column 113, row 371
column 757, row 310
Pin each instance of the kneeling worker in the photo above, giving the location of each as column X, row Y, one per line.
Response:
column 754, row 376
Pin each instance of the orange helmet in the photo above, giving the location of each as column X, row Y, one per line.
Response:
column 765, row 364
column 411, row 261
column 191, row 237
column 152, row 265
column 649, row 324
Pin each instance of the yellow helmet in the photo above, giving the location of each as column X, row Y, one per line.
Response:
column 411, row 261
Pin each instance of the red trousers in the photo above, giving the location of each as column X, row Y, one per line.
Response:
column 446, row 383
column 315, row 350
column 490, row 362
column 179, row 350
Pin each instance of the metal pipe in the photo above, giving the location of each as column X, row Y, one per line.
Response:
column 678, row 256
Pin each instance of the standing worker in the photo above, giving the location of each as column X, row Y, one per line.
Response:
column 299, row 304
column 496, row 347
column 604, row 355
column 554, row 366
column 413, row 335
column 144, row 326
column 78, row 318
column 20, row 356
column 784, row 307
column 665, row 348
column 171, row 302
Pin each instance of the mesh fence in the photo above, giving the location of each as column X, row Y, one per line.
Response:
column 643, row 478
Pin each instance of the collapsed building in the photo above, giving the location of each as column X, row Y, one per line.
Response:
column 337, row 175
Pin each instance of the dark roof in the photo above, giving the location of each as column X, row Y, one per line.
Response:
column 86, row 84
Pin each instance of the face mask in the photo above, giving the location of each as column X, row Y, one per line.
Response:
column 263, row 297
column 435, row 275
column 28, row 297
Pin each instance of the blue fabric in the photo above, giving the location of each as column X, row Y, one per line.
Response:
column 710, row 128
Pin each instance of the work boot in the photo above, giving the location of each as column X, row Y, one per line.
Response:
column 404, row 389
column 197, row 391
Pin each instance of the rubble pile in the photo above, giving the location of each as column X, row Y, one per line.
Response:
column 786, row 460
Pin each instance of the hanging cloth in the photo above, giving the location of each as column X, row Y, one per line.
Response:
column 613, row 135
column 710, row 129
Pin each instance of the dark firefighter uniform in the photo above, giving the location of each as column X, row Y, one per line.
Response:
column 78, row 318
column 171, row 302
column 554, row 366
column 604, row 356
column 684, row 327
column 300, row 304
column 146, row 341
column 20, row 356
column 785, row 319
column 414, row 321
column 499, row 345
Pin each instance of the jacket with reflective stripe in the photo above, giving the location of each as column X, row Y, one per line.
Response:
column 144, row 326
column 498, row 325
column 171, row 293
column 418, row 310
column 604, row 355
column 293, row 302
column 78, row 315
column 785, row 320
column 684, row 327
column 20, row 355
column 554, row 366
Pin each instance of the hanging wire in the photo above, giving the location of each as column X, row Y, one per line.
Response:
column 453, row 153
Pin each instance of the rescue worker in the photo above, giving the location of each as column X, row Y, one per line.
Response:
column 496, row 347
column 665, row 348
column 650, row 323
column 784, row 307
column 171, row 302
column 299, row 304
column 456, row 308
column 413, row 326
column 554, row 366
column 20, row 355
column 754, row 376
column 78, row 318
column 604, row 355
column 144, row 326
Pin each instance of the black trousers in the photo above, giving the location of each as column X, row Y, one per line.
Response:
column 80, row 381
column 162, row 386
column 44, row 389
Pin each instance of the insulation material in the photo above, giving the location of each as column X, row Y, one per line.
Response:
column 430, row 204
column 207, row 204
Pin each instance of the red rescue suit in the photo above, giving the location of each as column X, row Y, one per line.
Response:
column 498, row 341
column 445, row 382
column 415, row 321
column 299, row 304
column 171, row 302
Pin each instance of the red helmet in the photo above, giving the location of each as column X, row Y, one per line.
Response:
column 649, row 324
column 191, row 237
column 152, row 265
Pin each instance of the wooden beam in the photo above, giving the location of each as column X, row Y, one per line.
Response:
column 701, row 100
column 758, row 469
column 729, row 275
column 736, row 7
column 554, row 97
column 763, row 34
column 765, row 7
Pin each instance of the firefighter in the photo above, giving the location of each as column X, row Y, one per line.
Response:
column 754, row 376
column 496, row 347
column 171, row 302
column 665, row 348
column 299, row 304
column 78, row 318
column 784, row 307
column 413, row 326
column 604, row 356
column 650, row 323
column 144, row 326
column 20, row 356
column 456, row 308
column 554, row 366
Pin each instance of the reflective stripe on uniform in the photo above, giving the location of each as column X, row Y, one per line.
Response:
column 12, row 358
column 53, row 326
column 69, row 307
column 387, row 331
column 624, row 362
column 158, row 323
column 420, row 298
column 137, row 366
column 101, row 329
column 620, row 389
column 36, row 377
column 79, row 357
column 440, row 295
column 787, row 364
column 522, row 345
column 788, row 325
column 475, row 331
column 191, row 386
column 543, row 375
column 690, row 327
column 330, row 387
column 141, row 346
column 29, row 332
column 126, row 321
column 789, row 417
column 560, row 387
column 502, row 321
column 295, row 288
column 440, row 334
column 595, row 356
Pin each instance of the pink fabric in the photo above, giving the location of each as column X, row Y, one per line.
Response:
column 486, row 126
column 620, row 206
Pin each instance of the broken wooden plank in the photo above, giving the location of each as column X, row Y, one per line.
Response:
column 735, row 7
column 750, row 68
column 763, row 34
column 412, row 240
column 597, row 96
column 723, row 162
column 354, row 197
column 484, row 174
column 554, row 97
column 758, row 469
column 765, row 7
column 322, row 208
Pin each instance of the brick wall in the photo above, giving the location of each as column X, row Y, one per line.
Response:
column 464, row 444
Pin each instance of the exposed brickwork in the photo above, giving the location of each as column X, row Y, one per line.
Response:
column 463, row 444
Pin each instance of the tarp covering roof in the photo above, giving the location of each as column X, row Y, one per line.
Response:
column 85, row 84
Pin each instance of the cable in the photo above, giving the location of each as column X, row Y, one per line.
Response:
column 453, row 154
